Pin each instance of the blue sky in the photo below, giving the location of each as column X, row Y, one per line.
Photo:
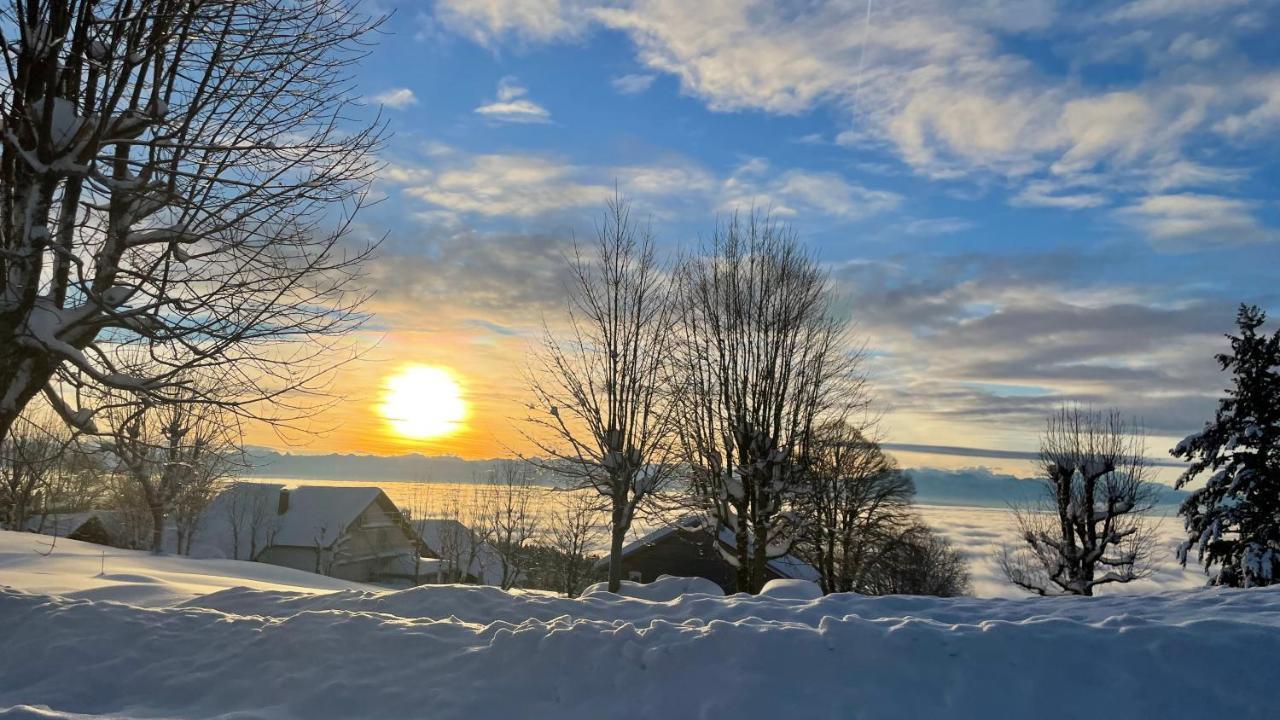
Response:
column 1022, row 203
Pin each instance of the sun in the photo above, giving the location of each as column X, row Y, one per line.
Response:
column 421, row 402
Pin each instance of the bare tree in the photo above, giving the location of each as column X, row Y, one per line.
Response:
column 601, row 418
column 571, row 533
column 855, row 504
column 415, row 509
column 765, row 363
column 509, row 518
column 207, row 476
column 32, row 458
column 252, row 516
column 171, row 451
column 132, row 511
column 1088, row 530
column 78, row 482
column 179, row 175
column 918, row 561
column 463, row 540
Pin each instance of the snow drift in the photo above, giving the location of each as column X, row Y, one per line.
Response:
column 474, row 652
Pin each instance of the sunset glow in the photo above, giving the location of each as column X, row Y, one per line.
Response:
column 422, row 402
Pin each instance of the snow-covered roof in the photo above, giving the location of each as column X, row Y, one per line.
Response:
column 320, row 513
column 64, row 524
column 788, row 566
column 688, row 524
column 441, row 533
column 315, row 513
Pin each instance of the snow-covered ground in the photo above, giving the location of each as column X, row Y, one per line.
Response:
column 94, row 572
column 283, row 647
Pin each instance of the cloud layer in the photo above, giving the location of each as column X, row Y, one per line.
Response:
column 952, row 91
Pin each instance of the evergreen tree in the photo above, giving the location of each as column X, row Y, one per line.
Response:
column 1234, row 520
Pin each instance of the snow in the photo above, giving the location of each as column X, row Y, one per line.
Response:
column 453, row 539
column 81, row 570
column 791, row 590
column 665, row 589
column 276, row 652
column 316, row 513
column 67, row 523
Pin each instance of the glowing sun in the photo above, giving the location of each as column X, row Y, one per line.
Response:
column 421, row 402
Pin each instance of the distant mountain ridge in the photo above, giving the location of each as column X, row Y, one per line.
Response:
column 368, row 468
column 973, row 486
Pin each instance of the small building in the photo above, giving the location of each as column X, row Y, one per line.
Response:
column 688, row 548
column 100, row 527
column 458, row 555
column 354, row 533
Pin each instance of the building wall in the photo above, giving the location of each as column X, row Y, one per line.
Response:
column 298, row 558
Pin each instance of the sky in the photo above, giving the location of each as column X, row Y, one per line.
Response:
column 1019, row 203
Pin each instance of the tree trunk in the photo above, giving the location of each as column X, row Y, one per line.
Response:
column 743, row 552
column 157, row 527
column 759, row 557
column 617, row 534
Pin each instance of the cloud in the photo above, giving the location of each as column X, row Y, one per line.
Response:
column 1189, row 221
column 796, row 192
column 515, row 185
column 512, row 106
column 396, row 98
column 488, row 21
column 940, row 85
column 1147, row 10
column 633, row 84
column 994, row 344
column 1260, row 108
column 524, row 185
column 927, row 227
column 494, row 280
column 1043, row 193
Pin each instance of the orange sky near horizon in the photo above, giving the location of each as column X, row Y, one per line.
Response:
column 489, row 373
column 488, row 376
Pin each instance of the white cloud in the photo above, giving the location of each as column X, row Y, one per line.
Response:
column 396, row 98
column 927, row 227
column 1044, row 193
column 1147, row 10
column 511, row 105
column 796, row 192
column 504, row 185
column 528, row 185
column 488, row 21
column 1189, row 221
column 1260, row 107
column 937, row 83
column 633, row 84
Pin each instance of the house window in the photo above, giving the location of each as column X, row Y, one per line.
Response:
column 634, row 576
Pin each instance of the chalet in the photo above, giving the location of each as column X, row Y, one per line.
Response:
column 458, row 555
column 100, row 527
column 355, row 533
column 688, row 548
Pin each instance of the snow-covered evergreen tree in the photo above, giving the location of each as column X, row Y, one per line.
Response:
column 1234, row 520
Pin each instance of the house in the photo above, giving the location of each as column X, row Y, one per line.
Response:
column 453, row 546
column 354, row 533
column 688, row 548
column 100, row 527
